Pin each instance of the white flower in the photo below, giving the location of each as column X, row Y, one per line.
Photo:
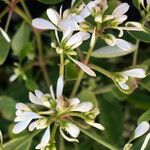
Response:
column 67, row 45
column 39, row 99
column 72, row 129
column 58, row 22
column 24, row 116
column 5, row 35
column 45, row 140
column 119, row 12
column 134, row 73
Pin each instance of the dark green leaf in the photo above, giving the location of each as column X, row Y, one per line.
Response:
column 7, row 107
column 50, row 1
column 139, row 99
column 144, row 117
column 20, row 39
column 112, row 118
column 20, row 143
column 88, row 95
column 4, row 49
column 31, row 84
column 143, row 36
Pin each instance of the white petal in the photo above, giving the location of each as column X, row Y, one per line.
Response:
column 32, row 126
column 145, row 142
column 52, row 92
column 60, row 85
column 74, row 102
column 124, row 45
column 73, row 130
column 67, row 34
column 34, row 99
column 43, row 24
column 68, row 22
column 96, row 125
column 20, row 126
column 137, row 73
column 22, row 106
column 121, row 19
column 120, row 10
column 78, row 37
column 141, row 129
column 123, row 86
column 30, row 115
column 67, row 138
column 83, row 107
column 87, row 10
column 5, row 35
column 148, row 2
column 13, row 77
column 85, row 68
column 53, row 16
column 45, row 139
column 39, row 94
column 76, row 45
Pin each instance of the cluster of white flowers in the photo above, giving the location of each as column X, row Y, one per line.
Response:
column 54, row 109
column 74, row 19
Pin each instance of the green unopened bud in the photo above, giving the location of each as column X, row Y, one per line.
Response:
column 53, row 45
column 85, row 26
column 110, row 39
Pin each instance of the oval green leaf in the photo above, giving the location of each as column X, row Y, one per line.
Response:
column 144, row 117
column 4, row 49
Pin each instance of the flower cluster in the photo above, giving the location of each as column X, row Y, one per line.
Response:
column 76, row 19
column 55, row 109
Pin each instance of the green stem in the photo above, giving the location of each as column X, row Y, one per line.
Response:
column 4, row 12
column 135, row 54
column 52, row 141
column 26, row 9
column 61, row 143
column 81, row 73
column 101, row 70
column 61, row 72
column 8, row 20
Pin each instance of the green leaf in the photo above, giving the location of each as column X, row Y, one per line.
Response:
column 50, row 1
column 88, row 95
column 143, row 35
column 31, row 84
column 136, row 3
column 4, row 49
column 144, row 117
column 111, row 117
column 20, row 143
column 95, row 136
column 139, row 99
column 7, row 107
column 71, row 71
column 110, row 52
column 20, row 39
